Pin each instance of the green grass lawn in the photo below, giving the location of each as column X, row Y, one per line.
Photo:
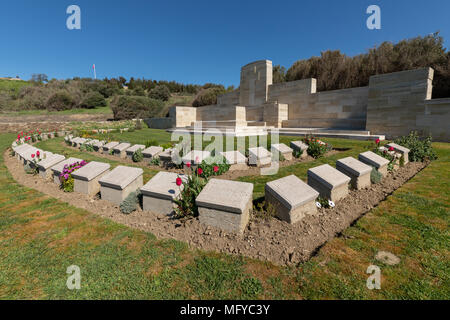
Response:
column 41, row 236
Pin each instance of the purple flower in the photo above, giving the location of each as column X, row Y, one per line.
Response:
column 66, row 176
column 66, row 166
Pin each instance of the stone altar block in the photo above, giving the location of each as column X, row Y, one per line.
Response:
column 151, row 152
column 291, row 198
column 225, row 204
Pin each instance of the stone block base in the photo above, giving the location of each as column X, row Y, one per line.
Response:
column 157, row 205
column 227, row 221
column 88, row 187
column 118, row 195
column 294, row 215
column 357, row 182
column 120, row 154
column 334, row 195
column 238, row 166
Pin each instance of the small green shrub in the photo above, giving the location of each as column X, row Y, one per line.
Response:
column 30, row 170
column 375, row 176
column 93, row 100
column 137, row 156
column 207, row 96
column 214, row 166
column 419, row 149
column 131, row 107
column 130, row 203
column 264, row 210
column 251, row 288
column 60, row 100
column 155, row 161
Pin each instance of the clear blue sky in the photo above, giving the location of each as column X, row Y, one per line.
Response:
column 197, row 41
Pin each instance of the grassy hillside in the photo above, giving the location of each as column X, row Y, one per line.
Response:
column 12, row 86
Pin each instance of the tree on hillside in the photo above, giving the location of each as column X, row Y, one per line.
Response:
column 39, row 77
column 278, row 74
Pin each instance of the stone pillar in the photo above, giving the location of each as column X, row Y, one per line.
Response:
column 256, row 77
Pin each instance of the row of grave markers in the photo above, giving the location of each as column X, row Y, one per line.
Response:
column 224, row 204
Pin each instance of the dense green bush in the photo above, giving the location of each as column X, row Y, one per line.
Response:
column 130, row 203
column 375, row 176
column 137, row 156
column 335, row 70
column 130, row 107
column 93, row 100
column 60, row 100
column 185, row 204
column 214, row 166
column 160, row 92
column 420, row 149
column 316, row 148
column 207, row 96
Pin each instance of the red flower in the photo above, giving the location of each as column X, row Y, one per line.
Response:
column 32, row 155
column 391, row 148
column 199, row 171
column 179, row 181
column 188, row 164
column 216, row 168
column 377, row 141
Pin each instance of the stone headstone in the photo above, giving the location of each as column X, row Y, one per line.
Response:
column 131, row 150
column 374, row 160
column 120, row 182
column 59, row 167
column 45, row 165
column 400, row 149
column 259, row 156
column 329, row 182
column 235, row 159
column 158, row 193
column 109, row 146
column 291, row 198
column 358, row 171
column 225, row 204
column 86, row 178
column 120, row 149
column 283, row 149
column 300, row 147
column 152, row 152
column 196, row 156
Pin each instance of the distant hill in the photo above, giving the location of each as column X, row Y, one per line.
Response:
column 12, row 85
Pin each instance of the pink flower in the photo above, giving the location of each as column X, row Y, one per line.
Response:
column 216, row 168
column 199, row 171
column 66, row 176
column 197, row 159
column 377, row 141
column 32, row 156
column 38, row 153
column 391, row 148
column 179, row 181
column 188, row 164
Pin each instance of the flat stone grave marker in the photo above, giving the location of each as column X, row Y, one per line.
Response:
column 259, row 156
column 166, row 155
column 131, row 150
column 120, row 182
column 225, row 204
column 109, row 146
column 283, row 149
column 92, row 142
column 235, row 159
column 300, row 146
column 120, row 149
column 45, row 165
column 329, row 182
column 42, row 155
column 358, row 171
column 160, row 191
column 400, row 149
column 292, row 198
column 78, row 142
column 196, row 156
column 86, row 178
column 152, row 152
column 59, row 167
column 98, row 146
column 374, row 160
column 26, row 154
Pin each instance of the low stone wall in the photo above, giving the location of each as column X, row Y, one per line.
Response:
column 436, row 119
column 159, row 123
